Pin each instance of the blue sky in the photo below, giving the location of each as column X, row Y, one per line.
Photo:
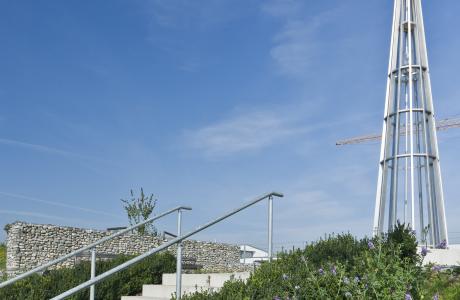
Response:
column 206, row 103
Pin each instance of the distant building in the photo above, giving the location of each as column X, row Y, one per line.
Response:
column 250, row 254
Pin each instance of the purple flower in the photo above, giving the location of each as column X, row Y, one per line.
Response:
column 276, row 298
column 436, row 268
column 357, row 280
column 371, row 245
column 442, row 245
column 408, row 296
column 424, row 251
column 334, row 270
column 436, row 296
column 321, row 271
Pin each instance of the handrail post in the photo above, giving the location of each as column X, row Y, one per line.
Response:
column 88, row 247
column 270, row 227
column 93, row 273
column 164, row 246
column 179, row 257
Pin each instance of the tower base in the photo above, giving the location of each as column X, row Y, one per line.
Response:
column 443, row 257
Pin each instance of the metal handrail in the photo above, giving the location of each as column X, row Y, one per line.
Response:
column 177, row 240
column 89, row 247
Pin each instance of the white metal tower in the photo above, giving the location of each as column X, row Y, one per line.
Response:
column 409, row 183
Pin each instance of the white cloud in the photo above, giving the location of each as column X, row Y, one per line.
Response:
column 282, row 8
column 182, row 14
column 58, row 204
column 319, row 204
column 297, row 44
column 294, row 48
column 46, row 217
column 247, row 132
column 259, row 129
column 37, row 147
column 87, row 161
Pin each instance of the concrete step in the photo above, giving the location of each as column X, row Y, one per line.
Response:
column 191, row 283
column 204, row 280
column 166, row 291
column 218, row 279
column 187, row 279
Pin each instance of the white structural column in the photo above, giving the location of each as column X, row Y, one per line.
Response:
column 409, row 188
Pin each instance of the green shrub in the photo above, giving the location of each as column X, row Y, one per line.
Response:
column 452, row 292
column 126, row 282
column 2, row 256
column 403, row 236
column 341, row 247
column 342, row 267
column 444, row 283
column 338, row 267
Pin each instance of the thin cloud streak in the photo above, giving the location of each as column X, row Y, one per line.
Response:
column 248, row 132
column 57, row 204
column 296, row 45
column 43, row 216
column 178, row 14
column 282, row 8
column 254, row 131
column 294, row 48
column 38, row 147
column 53, row 151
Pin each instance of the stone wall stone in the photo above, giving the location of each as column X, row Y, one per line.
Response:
column 30, row 245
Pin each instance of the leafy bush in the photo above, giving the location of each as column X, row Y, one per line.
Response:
column 2, row 256
column 126, row 282
column 139, row 210
column 403, row 236
column 341, row 247
column 342, row 267
column 444, row 283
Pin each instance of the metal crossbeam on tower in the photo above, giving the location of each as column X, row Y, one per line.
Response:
column 441, row 125
column 409, row 187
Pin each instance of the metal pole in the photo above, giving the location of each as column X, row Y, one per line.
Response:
column 270, row 227
column 92, row 291
column 163, row 246
column 179, row 257
column 88, row 247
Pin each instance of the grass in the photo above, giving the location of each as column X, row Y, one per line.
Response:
column 2, row 256
column 446, row 284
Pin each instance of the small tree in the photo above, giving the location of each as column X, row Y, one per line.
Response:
column 140, row 209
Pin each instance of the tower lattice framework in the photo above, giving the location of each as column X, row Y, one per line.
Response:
column 409, row 184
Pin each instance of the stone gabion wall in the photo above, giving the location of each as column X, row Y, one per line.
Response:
column 31, row 245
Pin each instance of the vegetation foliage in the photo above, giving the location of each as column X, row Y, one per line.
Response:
column 336, row 267
column 2, row 256
column 343, row 267
column 140, row 209
column 126, row 282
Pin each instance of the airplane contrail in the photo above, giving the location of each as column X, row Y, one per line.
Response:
column 44, row 216
column 88, row 210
